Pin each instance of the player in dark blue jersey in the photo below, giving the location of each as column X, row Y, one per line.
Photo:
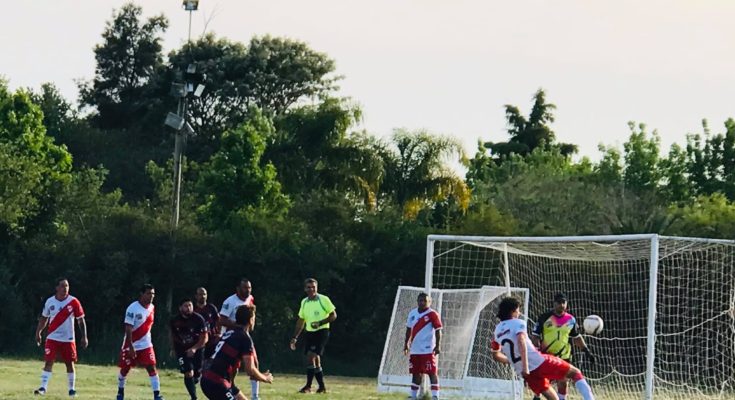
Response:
column 235, row 348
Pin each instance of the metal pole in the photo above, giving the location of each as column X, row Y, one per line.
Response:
column 651, row 339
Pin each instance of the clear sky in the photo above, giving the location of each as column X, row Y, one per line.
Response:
column 447, row 65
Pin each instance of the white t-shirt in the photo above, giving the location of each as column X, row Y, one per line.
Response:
column 230, row 306
column 141, row 318
column 506, row 340
column 423, row 326
column 61, row 315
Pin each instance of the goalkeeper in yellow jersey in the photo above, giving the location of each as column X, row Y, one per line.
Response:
column 553, row 334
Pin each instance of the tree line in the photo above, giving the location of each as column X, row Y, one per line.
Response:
column 280, row 185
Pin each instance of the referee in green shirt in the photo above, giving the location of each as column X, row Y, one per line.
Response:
column 315, row 313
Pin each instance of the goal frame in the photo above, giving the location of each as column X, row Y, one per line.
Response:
column 653, row 273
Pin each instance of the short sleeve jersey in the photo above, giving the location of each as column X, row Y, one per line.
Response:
column 141, row 318
column 229, row 351
column 61, row 315
column 555, row 331
column 423, row 326
column 229, row 307
column 186, row 331
column 209, row 312
column 316, row 310
column 506, row 340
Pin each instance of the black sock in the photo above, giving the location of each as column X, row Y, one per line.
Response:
column 156, row 393
column 190, row 387
column 121, row 391
column 309, row 376
column 319, row 374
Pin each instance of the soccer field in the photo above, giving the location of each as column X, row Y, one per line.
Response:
column 19, row 378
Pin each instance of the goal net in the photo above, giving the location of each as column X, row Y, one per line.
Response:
column 465, row 365
column 668, row 304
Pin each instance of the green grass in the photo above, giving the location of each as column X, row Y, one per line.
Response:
column 18, row 379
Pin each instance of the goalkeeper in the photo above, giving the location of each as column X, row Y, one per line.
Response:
column 552, row 335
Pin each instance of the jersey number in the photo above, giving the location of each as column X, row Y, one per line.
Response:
column 221, row 343
column 510, row 344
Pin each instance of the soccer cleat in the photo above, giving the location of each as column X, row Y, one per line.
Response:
column 72, row 393
column 120, row 396
column 158, row 397
column 305, row 389
column 434, row 397
column 39, row 392
column 322, row 390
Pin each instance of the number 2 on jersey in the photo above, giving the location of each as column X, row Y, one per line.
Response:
column 510, row 344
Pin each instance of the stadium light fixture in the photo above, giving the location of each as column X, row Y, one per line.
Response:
column 174, row 121
column 191, row 5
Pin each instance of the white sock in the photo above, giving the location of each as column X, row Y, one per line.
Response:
column 72, row 380
column 562, row 397
column 155, row 383
column 254, row 388
column 414, row 390
column 120, row 381
column 435, row 390
column 45, row 377
column 584, row 389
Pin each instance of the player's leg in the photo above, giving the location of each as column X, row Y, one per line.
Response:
column 186, row 367
column 432, row 371
column 414, row 370
column 49, row 356
column 434, row 379
column 310, row 353
column 323, row 338
column 254, row 383
column 69, row 355
column 127, row 361
column 580, row 383
column 147, row 358
column 561, row 389
column 549, row 394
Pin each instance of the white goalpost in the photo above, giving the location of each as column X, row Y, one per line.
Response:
column 668, row 304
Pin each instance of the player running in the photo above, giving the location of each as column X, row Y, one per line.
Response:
column 210, row 313
column 59, row 313
column 188, row 332
column 235, row 347
column 423, row 342
column 511, row 345
column 551, row 335
column 137, row 348
column 243, row 296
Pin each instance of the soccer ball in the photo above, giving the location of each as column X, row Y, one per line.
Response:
column 593, row 325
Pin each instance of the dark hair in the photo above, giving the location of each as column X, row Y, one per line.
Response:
column 310, row 280
column 185, row 300
column 59, row 279
column 506, row 308
column 243, row 280
column 243, row 314
column 423, row 294
column 146, row 287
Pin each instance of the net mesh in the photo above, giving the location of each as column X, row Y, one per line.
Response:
column 695, row 322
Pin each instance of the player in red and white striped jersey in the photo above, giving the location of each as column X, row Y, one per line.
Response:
column 137, row 348
column 423, row 342
column 59, row 313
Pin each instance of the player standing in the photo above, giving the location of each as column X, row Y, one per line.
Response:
column 511, row 345
column 235, row 347
column 59, row 313
column 188, row 332
column 423, row 342
column 137, row 348
column 243, row 296
column 210, row 313
column 552, row 333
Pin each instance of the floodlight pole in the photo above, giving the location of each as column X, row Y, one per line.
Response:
column 181, row 110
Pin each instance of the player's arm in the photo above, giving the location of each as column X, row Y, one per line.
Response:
column 297, row 331
column 438, row 348
column 330, row 318
column 497, row 354
column 227, row 323
column 538, row 329
column 42, row 322
column 249, row 362
column 407, row 341
column 581, row 344
column 83, row 332
column 523, row 349
column 129, row 338
column 198, row 345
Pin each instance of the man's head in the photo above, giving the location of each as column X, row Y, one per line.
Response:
column 62, row 287
column 424, row 301
column 245, row 315
column 509, row 308
column 186, row 307
column 201, row 296
column 311, row 286
column 244, row 288
column 560, row 303
column 147, row 293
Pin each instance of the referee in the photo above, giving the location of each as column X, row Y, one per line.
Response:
column 315, row 313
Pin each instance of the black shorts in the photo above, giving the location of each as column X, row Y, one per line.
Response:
column 219, row 390
column 315, row 342
column 187, row 364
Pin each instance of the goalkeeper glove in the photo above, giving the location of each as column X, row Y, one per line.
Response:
column 590, row 356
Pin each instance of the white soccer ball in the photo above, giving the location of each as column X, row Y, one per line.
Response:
column 593, row 325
